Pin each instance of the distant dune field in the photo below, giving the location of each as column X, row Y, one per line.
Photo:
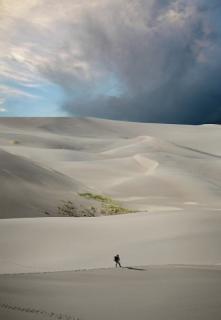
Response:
column 145, row 166
column 168, row 180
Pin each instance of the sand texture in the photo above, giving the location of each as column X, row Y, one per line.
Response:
column 145, row 166
column 161, row 293
column 168, row 175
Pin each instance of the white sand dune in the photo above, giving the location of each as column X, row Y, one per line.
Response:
column 162, row 293
column 162, row 165
column 149, row 167
column 28, row 189
column 171, row 173
column 52, row 244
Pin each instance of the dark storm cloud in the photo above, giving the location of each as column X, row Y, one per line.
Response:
column 164, row 58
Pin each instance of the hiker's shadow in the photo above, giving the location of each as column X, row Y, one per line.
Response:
column 134, row 268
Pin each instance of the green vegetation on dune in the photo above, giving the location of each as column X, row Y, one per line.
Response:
column 108, row 205
column 69, row 209
column 97, row 197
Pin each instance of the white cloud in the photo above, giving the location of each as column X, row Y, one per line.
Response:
column 10, row 91
column 2, row 107
column 33, row 33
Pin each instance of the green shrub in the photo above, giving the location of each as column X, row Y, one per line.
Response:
column 70, row 210
column 108, row 205
column 97, row 197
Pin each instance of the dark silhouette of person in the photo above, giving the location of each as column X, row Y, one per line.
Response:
column 117, row 260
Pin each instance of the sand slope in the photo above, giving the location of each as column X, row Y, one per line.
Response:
column 52, row 244
column 28, row 189
column 145, row 166
column 163, row 293
column 173, row 173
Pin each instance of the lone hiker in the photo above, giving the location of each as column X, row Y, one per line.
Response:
column 117, row 260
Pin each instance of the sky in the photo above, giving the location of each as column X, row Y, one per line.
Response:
column 133, row 60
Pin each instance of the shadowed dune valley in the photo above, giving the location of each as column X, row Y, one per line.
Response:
column 75, row 192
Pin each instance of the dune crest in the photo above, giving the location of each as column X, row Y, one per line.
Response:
column 149, row 165
column 158, row 165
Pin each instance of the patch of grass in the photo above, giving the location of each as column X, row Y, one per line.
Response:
column 109, row 206
column 97, row 197
column 69, row 209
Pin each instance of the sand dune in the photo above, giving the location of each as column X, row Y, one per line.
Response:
column 52, row 244
column 162, row 165
column 162, row 293
column 168, row 174
column 28, row 189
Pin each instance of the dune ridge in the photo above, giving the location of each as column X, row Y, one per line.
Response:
column 144, row 166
